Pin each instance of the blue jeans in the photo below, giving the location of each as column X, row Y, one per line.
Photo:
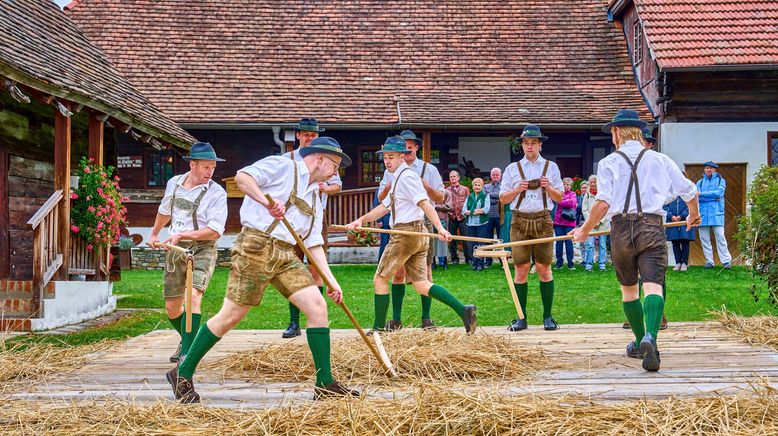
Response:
column 602, row 254
column 568, row 245
column 481, row 231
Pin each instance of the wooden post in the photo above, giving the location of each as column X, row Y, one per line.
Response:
column 426, row 146
column 96, row 134
column 5, row 262
column 62, row 138
column 96, row 129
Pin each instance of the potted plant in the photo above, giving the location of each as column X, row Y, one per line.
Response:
column 125, row 252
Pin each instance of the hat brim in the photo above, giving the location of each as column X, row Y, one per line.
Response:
column 542, row 138
column 624, row 123
column 214, row 159
column 317, row 130
column 381, row 152
column 345, row 159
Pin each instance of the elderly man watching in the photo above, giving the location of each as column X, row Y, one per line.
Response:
column 492, row 189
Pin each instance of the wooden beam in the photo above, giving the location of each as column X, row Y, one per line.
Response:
column 118, row 125
column 96, row 134
column 426, row 146
column 62, row 135
column 5, row 263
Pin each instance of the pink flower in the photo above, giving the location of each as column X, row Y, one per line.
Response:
column 91, row 209
column 89, row 247
column 87, row 170
column 74, row 228
column 117, row 178
column 100, row 225
column 102, row 174
column 100, row 191
column 73, row 196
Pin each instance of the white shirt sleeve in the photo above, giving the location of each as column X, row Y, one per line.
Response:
column 509, row 179
column 680, row 185
column 410, row 187
column 555, row 177
column 335, row 180
column 316, row 238
column 166, row 206
column 435, row 181
column 268, row 169
column 605, row 181
column 217, row 212
column 487, row 205
column 384, row 181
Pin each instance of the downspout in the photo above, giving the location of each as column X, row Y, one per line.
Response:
column 277, row 139
column 399, row 113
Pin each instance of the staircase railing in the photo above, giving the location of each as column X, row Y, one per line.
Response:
column 46, row 258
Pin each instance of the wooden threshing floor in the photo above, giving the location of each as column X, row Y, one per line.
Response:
column 697, row 359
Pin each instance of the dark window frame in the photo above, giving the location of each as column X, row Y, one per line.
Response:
column 772, row 157
column 147, row 163
column 360, row 163
column 637, row 43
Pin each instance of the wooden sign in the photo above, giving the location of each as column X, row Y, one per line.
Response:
column 129, row 161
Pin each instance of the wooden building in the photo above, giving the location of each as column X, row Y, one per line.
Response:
column 708, row 71
column 464, row 75
column 61, row 99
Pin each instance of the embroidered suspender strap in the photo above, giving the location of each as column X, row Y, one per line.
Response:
column 291, row 200
column 392, row 198
column 423, row 170
column 523, row 193
column 545, row 170
column 196, row 206
column 633, row 180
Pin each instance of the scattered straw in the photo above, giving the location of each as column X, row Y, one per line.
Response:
column 24, row 363
column 760, row 329
column 430, row 356
column 431, row 411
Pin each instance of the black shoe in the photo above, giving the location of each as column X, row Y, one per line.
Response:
column 473, row 268
column 488, row 263
column 427, row 324
column 626, row 325
column 291, row 331
column 333, row 390
column 517, row 324
column 479, row 268
column 650, row 353
column 393, row 325
column 183, row 388
column 550, row 324
column 633, row 351
column 454, row 261
column 469, row 318
column 175, row 357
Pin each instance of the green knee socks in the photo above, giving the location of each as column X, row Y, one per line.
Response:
column 319, row 343
column 188, row 338
column 634, row 312
column 522, row 290
column 203, row 342
column 653, row 306
column 441, row 294
column 426, row 305
column 398, row 293
column 547, row 296
column 381, row 303
column 294, row 311
column 176, row 322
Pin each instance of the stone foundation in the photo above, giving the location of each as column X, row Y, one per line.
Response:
column 147, row 258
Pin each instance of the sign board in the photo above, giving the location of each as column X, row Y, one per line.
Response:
column 129, row 161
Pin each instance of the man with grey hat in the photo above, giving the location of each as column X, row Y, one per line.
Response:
column 306, row 131
column 196, row 208
column 712, row 188
column 433, row 186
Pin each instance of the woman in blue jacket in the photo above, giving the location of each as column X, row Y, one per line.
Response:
column 712, row 188
column 676, row 211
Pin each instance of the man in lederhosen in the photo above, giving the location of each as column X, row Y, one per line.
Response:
column 196, row 208
column 637, row 236
column 306, row 131
column 263, row 254
column 433, row 186
column 531, row 186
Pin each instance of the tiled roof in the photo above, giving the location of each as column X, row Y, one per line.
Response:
column 709, row 33
column 42, row 48
column 351, row 62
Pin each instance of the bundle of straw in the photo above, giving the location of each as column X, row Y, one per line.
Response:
column 759, row 329
column 439, row 356
column 431, row 411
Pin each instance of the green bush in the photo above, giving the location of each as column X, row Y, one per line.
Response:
column 758, row 236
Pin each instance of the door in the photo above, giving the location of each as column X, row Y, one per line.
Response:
column 570, row 166
column 734, row 207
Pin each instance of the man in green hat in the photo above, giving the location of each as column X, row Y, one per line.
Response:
column 433, row 186
column 196, row 208
column 409, row 204
column 637, row 237
column 531, row 186
column 263, row 254
column 306, row 131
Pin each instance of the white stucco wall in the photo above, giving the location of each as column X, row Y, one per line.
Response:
column 719, row 142
column 75, row 302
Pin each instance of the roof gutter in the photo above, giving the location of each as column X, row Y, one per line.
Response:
column 714, row 68
column 394, row 126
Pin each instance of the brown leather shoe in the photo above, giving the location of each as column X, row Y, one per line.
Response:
column 183, row 388
column 333, row 390
column 626, row 325
column 427, row 324
column 393, row 326
column 663, row 325
column 469, row 318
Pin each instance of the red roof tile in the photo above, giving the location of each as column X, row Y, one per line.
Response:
column 41, row 48
column 455, row 62
column 710, row 33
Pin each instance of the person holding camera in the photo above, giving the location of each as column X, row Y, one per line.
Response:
column 564, row 222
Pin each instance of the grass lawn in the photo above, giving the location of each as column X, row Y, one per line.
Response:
column 580, row 297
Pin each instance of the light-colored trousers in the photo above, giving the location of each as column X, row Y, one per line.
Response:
column 721, row 244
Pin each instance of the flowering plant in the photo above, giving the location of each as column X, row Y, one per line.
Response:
column 577, row 181
column 365, row 238
column 97, row 213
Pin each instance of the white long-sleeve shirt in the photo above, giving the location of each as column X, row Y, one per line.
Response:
column 274, row 176
column 533, row 201
column 211, row 213
column 408, row 193
column 658, row 177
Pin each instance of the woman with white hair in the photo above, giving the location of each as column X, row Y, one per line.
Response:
column 601, row 241
column 564, row 222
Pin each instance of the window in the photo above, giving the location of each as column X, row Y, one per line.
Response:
column 637, row 42
column 772, row 149
column 371, row 166
column 159, row 166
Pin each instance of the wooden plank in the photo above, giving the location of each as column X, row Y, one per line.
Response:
column 96, row 132
column 62, row 149
column 44, row 210
column 5, row 243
